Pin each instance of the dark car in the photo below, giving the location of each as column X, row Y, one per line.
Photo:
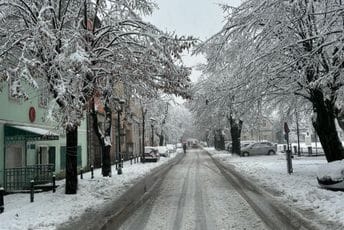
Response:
column 259, row 148
column 331, row 175
column 151, row 154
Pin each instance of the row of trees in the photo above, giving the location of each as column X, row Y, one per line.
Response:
column 81, row 48
column 277, row 53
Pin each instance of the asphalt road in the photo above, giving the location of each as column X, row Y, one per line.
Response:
column 195, row 194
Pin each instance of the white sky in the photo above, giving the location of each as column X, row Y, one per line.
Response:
column 199, row 18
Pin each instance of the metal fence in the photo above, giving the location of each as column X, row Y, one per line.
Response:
column 17, row 179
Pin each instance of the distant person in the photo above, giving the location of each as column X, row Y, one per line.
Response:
column 184, row 147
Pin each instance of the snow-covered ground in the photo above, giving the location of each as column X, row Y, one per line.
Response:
column 51, row 209
column 300, row 188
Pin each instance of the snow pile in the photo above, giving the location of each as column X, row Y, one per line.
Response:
column 51, row 209
column 300, row 189
column 333, row 170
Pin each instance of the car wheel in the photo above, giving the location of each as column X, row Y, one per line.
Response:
column 245, row 154
column 271, row 152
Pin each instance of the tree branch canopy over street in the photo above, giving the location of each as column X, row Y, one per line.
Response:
column 268, row 50
column 77, row 47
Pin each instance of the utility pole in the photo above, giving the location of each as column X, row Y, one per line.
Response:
column 298, row 134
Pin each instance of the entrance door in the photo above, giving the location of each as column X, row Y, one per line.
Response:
column 43, row 155
column 52, row 156
column 14, row 156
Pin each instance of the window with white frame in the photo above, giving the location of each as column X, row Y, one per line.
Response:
column 43, row 97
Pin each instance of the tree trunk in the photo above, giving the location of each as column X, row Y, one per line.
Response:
column 324, row 124
column 161, row 140
column 235, row 127
column 222, row 145
column 106, row 161
column 71, row 160
column 102, row 126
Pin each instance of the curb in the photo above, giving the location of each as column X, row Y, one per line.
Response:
column 116, row 212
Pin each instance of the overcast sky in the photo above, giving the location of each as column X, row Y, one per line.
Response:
column 199, row 18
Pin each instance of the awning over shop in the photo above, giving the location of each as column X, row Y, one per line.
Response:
column 28, row 133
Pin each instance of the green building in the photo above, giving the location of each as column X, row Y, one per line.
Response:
column 31, row 147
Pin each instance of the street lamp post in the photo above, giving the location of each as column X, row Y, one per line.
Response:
column 144, row 111
column 119, row 155
column 152, row 126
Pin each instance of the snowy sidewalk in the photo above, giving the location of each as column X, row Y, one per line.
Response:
column 299, row 189
column 52, row 209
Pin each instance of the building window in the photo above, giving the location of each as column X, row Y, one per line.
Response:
column 43, row 97
column 13, row 89
column 15, row 92
column 263, row 123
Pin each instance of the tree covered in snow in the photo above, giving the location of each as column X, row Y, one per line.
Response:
column 171, row 120
column 287, row 48
column 217, row 104
column 76, row 47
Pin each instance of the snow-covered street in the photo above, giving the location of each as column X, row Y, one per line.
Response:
column 195, row 195
column 300, row 190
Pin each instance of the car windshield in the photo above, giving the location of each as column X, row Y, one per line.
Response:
column 149, row 150
column 245, row 144
column 162, row 149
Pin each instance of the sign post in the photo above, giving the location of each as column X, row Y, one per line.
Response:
column 288, row 152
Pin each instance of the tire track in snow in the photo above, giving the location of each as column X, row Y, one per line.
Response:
column 181, row 202
column 201, row 220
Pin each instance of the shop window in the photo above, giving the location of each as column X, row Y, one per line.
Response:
column 43, row 97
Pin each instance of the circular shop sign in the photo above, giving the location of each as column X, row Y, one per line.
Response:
column 32, row 114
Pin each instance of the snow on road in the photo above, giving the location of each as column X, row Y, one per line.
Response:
column 300, row 189
column 195, row 195
column 49, row 210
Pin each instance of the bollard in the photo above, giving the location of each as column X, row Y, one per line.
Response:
column 284, row 148
column 2, row 193
column 116, row 164
column 122, row 163
column 32, row 190
column 81, row 174
column 289, row 162
column 92, row 175
column 310, row 150
column 295, row 149
column 131, row 160
column 54, row 183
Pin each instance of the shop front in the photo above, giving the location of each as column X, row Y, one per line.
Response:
column 29, row 154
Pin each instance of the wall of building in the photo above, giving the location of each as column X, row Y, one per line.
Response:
column 16, row 112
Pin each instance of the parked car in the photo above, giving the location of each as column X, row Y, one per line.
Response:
column 151, row 154
column 228, row 145
column 163, row 151
column 259, row 148
column 171, row 148
column 331, row 175
column 203, row 144
column 246, row 143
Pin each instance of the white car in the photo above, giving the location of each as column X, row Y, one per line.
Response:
column 163, row 151
column 171, row 148
column 259, row 148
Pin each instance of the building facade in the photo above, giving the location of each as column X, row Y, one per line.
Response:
column 28, row 142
